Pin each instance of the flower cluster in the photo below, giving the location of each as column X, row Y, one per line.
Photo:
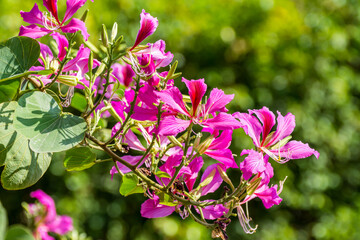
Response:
column 177, row 146
column 45, row 218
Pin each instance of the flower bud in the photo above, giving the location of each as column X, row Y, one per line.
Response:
column 84, row 16
column 54, row 65
column 69, row 80
column 114, row 32
column 253, row 186
column 104, row 36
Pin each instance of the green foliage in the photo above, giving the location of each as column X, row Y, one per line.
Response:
column 78, row 159
column 18, row 232
column 17, row 55
column 3, row 222
column 39, row 118
column 23, row 167
column 130, row 185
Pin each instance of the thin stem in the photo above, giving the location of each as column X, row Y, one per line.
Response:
column 183, row 160
column 208, row 225
column 132, row 106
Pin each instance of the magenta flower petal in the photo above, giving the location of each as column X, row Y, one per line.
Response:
column 295, row 150
column 35, row 16
column 130, row 159
column 215, row 182
column 62, row 43
column 284, row 128
column 152, row 209
column 267, row 118
column 71, row 7
column 217, row 101
column 222, row 121
column 224, row 156
column 269, row 196
column 48, row 203
column 213, row 211
column 83, row 53
column 172, row 126
column 253, row 164
column 33, row 31
column 76, row 25
column 61, row 225
column 148, row 25
column 223, row 141
column 133, row 141
column 251, row 126
column 197, row 89
column 173, row 99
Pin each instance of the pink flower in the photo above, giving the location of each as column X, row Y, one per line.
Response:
column 50, row 221
column 273, row 144
column 203, row 114
column 148, row 25
column 52, row 23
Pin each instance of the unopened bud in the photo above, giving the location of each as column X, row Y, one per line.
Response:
column 54, row 65
column 205, row 145
column 69, row 80
column 114, row 32
column 172, row 70
column 84, row 16
column 104, row 36
column 174, row 141
column 253, row 186
column 91, row 64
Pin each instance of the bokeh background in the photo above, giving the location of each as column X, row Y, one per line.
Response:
column 293, row 56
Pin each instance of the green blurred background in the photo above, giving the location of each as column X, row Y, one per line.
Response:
column 293, row 56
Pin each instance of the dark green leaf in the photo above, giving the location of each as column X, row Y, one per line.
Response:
column 23, row 167
column 19, row 232
column 78, row 159
column 79, row 102
column 3, row 222
column 18, row 55
column 130, row 185
column 39, row 118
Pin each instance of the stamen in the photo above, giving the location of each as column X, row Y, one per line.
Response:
column 49, row 22
column 245, row 221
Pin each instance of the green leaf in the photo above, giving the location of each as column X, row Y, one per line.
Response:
column 162, row 174
column 39, row 118
column 23, row 167
column 3, row 222
column 17, row 55
column 165, row 199
column 130, row 185
column 8, row 90
column 79, row 102
column 18, row 232
column 78, row 159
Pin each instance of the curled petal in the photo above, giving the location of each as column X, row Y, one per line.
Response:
column 295, row 150
column 224, row 156
column 253, row 164
column 216, row 178
column 223, row 141
column 251, row 126
column 33, row 31
column 269, row 196
column 152, row 209
column 62, row 43
column 76, row 25
column 35, row 16
column 217, row 101
column 173, row 99
column 148, row 25
column 51, row 5
column 267, row 118
column 213, row 211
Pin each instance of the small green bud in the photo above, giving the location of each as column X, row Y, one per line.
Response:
column 69, row 80
column 104, row 36
column 84, row 16
column 90, row 63
column 114, row 32
column 253, row 186
column 54, row 65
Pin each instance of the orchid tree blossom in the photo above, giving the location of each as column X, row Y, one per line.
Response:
column 203, row 114
column 49, row 221
column 42, row 24
column 275, row 144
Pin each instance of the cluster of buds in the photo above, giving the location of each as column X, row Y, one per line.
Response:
column 175, row 148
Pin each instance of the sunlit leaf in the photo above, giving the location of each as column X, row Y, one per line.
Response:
column 78, row 159
column 130, row 185
column 39, row 118
column 19, row 232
